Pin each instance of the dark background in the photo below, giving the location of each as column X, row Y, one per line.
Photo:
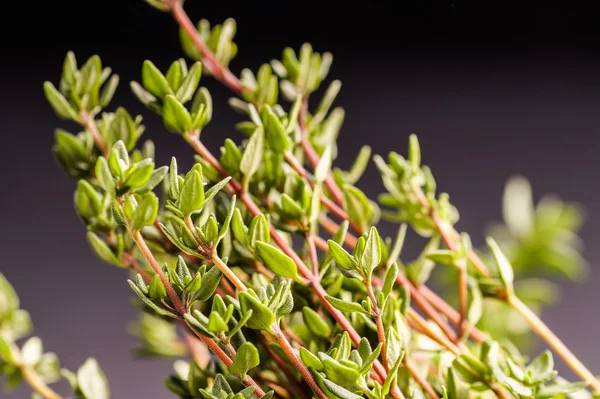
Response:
column 491, row 91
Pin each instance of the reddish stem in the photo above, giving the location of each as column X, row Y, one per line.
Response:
column 216, row 349
column 87, row 121
column 286, row 370
column 291, row 354
column 139, row 240
column 441, row 306
column 209, row 59
column 420, row 380
column 329, row 204
column 462, row 293
column 312, row 251
column 379, row 322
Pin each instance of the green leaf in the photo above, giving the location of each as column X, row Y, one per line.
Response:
column 239, row 229
column 210, row 282
column 211, row 192
column 108, row 91
column 504, row 268
column 276, row 137
column 315, row 322
column 191, row 197
column 360, row 165
column 211, row 230
column 216, row 324
column 176, row 117
column 278, row 262
column 174, row 74
column 69, row 68
column 290, row 208
column 190, row 83
column 442, row 257
column 104, row 176
column 414, row 152
column 227, row 221
column 246, row 358
column 203, row 99
column 102, row 250
column 332, row 390
column 310, row 360
column 393, row 346
column 142, row 171
column 6, row 355
column 262, row 316
column 88, row 202
column 323, row 166
column 342, row 258
column 258, row 230
column 159, row 310
column 157, row 177
column 371, row 256
column 154, row 81
column 32, row 351
column 475, row 310
column 240, row 324
column 370, row 358
column 253, row 152
column 92, row 381
column 339, row 373
column 552, row 391
column 345, row 306
column 9, row 301
column 392, row 374
column 118, row 159
column 157, row 290
column 357, row 205
column 59, row 103
column 541, row 368
column 146, row 212
column 145, row 98
column 390, row 279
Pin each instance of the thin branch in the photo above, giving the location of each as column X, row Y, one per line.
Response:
column 139, row 240
column 442, row 306
column 87, row 121
column 462, row 303
column 212, row 345
column 543, row 331
column 450, row 237
column 420, row 380
column 211, row 63
column 336, row 209
column 376, row 314
column 291, row 354
column 332, row 228
column 281, row 243
column 428, row 331
column 216, row 349
column 231, row 276
column 37, row 384
column 276, row 332
column 312, row 251
column 283, row 366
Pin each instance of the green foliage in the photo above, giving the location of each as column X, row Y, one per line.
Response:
column 29, row 363
column 237, row 264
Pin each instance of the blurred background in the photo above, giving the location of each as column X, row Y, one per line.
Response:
column 490, row 91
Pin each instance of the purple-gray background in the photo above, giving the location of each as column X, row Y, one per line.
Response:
column 491, row 92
